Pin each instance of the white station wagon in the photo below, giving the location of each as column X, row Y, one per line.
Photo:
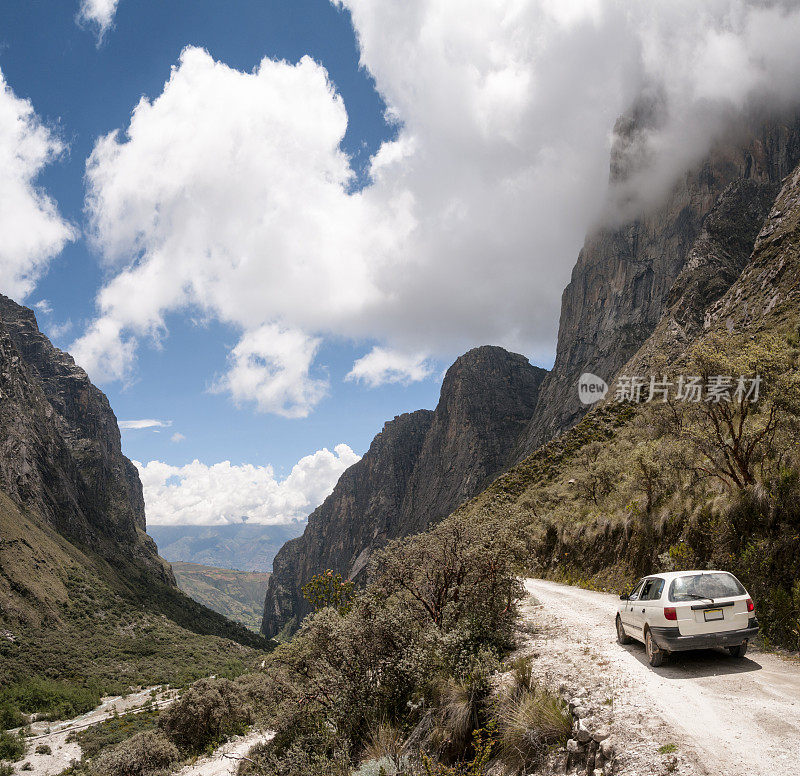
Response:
column 687, row 610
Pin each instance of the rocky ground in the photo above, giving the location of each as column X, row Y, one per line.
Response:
column 700, row 713
column 225, row 760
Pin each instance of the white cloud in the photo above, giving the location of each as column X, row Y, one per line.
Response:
column 144, row 423
column 381, row 366
column 98, row 14
column 197, row 494
column 43, row 306
column 229, row 194
column 177, row 437
column 271, row 366
column 32, row 230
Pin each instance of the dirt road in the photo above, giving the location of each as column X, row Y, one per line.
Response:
column 724, row 717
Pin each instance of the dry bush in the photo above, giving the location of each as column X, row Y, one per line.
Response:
column 210, row 710
column 385, row 742
column 144, row 754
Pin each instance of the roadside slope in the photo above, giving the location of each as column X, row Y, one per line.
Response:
column 727, row 717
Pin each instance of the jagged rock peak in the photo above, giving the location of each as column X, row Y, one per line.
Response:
column 418, row 469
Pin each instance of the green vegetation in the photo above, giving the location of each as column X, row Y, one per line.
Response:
column 53, row 699
column 115, row 730
column 329, row 589
column 12, row 746
column 79, row 628
column 667, row 749
column 239, row 595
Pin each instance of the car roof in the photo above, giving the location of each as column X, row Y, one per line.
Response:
column 668, row 575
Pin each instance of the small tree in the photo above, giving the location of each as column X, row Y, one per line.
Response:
column 329, row 589
column 737, row 436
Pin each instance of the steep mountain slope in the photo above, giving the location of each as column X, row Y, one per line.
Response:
column 60, row 451
column 626, row 276
column 417, row 470
column 80, row 580
column 239, row 595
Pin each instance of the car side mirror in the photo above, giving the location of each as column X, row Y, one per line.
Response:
column 624, row 597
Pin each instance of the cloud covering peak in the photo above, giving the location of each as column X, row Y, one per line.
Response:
column 230, row 192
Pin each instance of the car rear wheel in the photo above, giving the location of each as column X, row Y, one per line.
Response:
column 739, row 651
column 622, row 637
column 654, row 654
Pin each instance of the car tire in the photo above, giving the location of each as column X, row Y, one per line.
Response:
column 739, row 651
column 655, row 656
column 622, row 637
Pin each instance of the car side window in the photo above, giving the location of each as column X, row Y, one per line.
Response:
column 652, row 590
column 634, row 596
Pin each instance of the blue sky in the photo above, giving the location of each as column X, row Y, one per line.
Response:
column 270, row 226
column 87, row 90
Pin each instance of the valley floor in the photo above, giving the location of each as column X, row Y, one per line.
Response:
column 224, row 761
column 54, row 734
column 719, row 715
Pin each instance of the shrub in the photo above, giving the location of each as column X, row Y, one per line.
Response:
column 143, row 754
column 209, row 711
column 6, row 770
column 10, row 717
column 43, row 749
column 95, row 738
column 12, row 747
column 303, row 746
column 530, row 720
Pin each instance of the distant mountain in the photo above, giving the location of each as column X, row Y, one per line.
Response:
column 239, row 595
column 239, row 547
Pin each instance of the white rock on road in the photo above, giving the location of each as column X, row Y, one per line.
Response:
column 726, row 717
column 225, row 760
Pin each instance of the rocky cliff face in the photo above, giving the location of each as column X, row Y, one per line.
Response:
column 417, row 470
column 626, row 277
column 60, row 453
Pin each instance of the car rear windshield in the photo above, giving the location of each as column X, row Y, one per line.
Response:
column 694, row 587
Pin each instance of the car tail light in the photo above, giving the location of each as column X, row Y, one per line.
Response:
column 751, row 607
column 670, row 613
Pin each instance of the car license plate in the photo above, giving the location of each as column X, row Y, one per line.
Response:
column 714, row 614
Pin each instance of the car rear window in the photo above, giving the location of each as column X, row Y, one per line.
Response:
column 694, row 587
